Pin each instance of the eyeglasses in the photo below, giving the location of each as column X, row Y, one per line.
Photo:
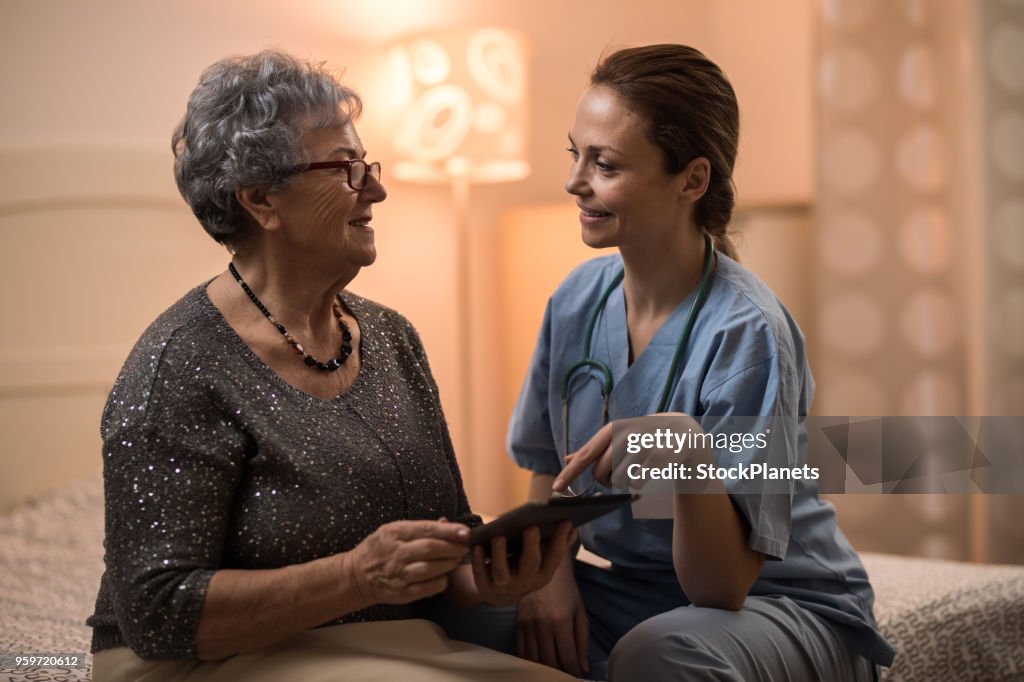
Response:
column 358, row 171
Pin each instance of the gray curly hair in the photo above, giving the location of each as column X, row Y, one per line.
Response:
column 243, row 128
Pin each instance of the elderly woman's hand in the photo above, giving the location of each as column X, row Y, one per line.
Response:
column 404, row 561
column 500, row 581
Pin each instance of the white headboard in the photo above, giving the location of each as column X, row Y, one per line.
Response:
column 95, row 243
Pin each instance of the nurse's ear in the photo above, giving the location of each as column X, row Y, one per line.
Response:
column 696, row 178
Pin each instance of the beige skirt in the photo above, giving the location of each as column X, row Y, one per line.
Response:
column 407, row 650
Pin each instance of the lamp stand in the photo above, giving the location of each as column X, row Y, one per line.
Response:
column 463, row 298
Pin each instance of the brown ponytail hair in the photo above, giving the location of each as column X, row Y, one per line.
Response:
column 692, row 111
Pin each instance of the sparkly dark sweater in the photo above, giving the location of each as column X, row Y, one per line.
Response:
column 211, row 461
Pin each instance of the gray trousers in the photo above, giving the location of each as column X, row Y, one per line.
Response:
column 636, row 635
column 648, row 631
column 768, row 639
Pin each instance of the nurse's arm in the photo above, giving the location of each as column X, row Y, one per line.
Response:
column 713, row 563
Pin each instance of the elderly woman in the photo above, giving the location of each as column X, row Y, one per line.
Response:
column 275, row 455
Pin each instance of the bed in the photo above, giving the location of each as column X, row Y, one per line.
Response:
column 948, row 620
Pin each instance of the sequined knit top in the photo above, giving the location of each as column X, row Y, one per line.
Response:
column 211, row 461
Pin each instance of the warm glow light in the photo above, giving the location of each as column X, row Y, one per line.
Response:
column 465, row 110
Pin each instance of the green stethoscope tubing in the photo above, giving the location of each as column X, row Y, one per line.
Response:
column 605, row 371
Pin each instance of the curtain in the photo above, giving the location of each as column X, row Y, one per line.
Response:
column 919, row 243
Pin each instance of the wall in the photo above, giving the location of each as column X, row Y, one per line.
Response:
column 918, row 281
column 103, row 81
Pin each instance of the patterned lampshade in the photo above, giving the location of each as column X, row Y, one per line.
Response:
column 463, row 100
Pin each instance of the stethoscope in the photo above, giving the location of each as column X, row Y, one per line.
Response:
column 605, row 378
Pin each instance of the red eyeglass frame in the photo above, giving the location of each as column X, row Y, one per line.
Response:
column 372, row 170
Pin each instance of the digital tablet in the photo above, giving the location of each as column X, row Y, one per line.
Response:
column 547, row 516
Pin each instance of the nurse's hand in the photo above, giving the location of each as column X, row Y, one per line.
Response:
column 551, row 624
column 502, row 580
column 597, row 451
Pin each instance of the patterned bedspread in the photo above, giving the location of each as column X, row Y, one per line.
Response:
column 948, row 620
column 51, row 559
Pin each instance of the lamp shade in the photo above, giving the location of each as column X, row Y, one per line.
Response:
column 462, row 98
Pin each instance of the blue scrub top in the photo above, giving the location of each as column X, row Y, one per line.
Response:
column 745, row 357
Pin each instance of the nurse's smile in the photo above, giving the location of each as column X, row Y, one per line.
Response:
column 590, row 216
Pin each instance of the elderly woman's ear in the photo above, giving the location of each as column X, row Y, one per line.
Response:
column 257, row 203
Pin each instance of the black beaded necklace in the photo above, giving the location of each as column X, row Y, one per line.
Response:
column 346, row 335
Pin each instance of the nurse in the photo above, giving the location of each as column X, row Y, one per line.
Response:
column 737, row 586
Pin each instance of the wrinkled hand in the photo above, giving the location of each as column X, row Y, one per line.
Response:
column 552, row 627
column 503, row 582
column 404, row 561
